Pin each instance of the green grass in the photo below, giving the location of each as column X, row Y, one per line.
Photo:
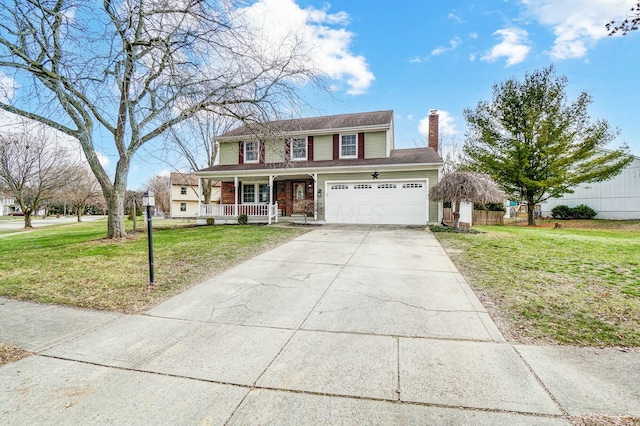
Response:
column 566, row 286
column 74, row 265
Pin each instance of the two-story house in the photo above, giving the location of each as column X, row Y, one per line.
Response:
column 183, row 195
column 346, row 165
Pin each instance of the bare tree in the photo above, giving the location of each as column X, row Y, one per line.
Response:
column 133, row 69
column 630, row 23
column 159, row 185
column 82, row 189
column 471, row 187
column 194, row 142
column 34, row 168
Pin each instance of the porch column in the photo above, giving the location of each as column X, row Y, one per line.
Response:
column 235, row 196
column 270, row 199
column 315, row 195
column 199, row 195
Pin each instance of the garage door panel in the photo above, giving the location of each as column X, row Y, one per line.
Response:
column 377, row 202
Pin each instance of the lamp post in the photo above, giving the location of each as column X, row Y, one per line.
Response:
column 148, row 200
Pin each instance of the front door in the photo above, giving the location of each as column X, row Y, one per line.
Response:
column 299, row 191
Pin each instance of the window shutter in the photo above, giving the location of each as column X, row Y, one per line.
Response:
column 239, row 200
column 261, row 158
column 287, row 150
column 336, row 146
column 240, row 152
column 361, row 145
column 310, row 148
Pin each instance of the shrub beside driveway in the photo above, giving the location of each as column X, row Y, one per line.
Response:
column 565, row 286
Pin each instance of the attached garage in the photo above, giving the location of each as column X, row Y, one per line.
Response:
column 394, row 202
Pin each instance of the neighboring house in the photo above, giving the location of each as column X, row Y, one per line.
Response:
column 7, row 204
column 616, row 198
column 184, row 200
column 345, row 165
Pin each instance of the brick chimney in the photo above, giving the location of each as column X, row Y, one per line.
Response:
column 433, row 129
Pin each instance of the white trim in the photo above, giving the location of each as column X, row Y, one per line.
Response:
column 244, row 154
column 345, row 157
column 306, row 148
column 322, row 170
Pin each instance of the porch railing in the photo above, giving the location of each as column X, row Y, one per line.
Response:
column 222, row 210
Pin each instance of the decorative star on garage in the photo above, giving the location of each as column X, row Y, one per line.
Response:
column 374, row 175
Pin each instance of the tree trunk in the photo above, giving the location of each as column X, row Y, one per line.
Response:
column 115, row 218
column 531, row 213
column 79, row 211
column 456, row 214
column 27, row 219
column 206, row 190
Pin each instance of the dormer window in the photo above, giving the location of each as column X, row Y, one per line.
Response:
column 298, row 149
column 348, row 146
column 251, row 152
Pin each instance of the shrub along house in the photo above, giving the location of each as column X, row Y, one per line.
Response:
column 344, row 166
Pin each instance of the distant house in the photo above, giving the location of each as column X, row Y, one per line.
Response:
column 616, row 198
column 184, row 195
column 7, row 204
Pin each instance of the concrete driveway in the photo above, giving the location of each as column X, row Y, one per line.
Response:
column 343, row 325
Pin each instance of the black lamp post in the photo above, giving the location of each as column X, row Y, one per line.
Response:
column 148, row 200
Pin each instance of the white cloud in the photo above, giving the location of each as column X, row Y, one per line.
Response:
column 8, row 87
column 164, row 173
column 473, row 35
column 103, row 159
column 446, row 125
column 514, row 46
column 321, row 34
column 418, row 60
column 453, row 43
column 577, row 24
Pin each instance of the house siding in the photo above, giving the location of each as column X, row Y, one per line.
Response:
column 432, row 175
column 322, row 147
column 274, row 151
column 375, row 145
column 228, row 153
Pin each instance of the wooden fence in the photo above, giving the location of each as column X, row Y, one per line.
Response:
column 485, row 217
column 480, row 217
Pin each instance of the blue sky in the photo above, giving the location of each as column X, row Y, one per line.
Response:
column 413, row 56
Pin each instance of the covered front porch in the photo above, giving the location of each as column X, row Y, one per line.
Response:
column 264, row 198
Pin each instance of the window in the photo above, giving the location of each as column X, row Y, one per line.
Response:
column 251, row 152
column 249, row 193
column 183, row 190
column 387, row 186
column 263, row 192
column 299, row 149
column 412, row 185
column 362, row 186
column 339, row 187
column 183, row 207
column 348, row 146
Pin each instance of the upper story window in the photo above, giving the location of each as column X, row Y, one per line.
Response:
column 348, row 146
column 183, row 190
column 251, row 152
column 299, row 149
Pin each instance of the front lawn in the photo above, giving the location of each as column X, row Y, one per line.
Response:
column 567, row 286
column 73, row 265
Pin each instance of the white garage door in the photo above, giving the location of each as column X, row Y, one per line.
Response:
column 377, row 202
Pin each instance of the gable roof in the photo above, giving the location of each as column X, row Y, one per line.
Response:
column 328, row 122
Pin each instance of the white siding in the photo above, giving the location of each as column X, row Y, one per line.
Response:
column 228, row 153
column 616, row 198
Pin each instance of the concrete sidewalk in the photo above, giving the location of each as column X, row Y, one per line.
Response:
column 343, row 325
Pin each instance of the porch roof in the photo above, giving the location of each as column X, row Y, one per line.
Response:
column 398, row 157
